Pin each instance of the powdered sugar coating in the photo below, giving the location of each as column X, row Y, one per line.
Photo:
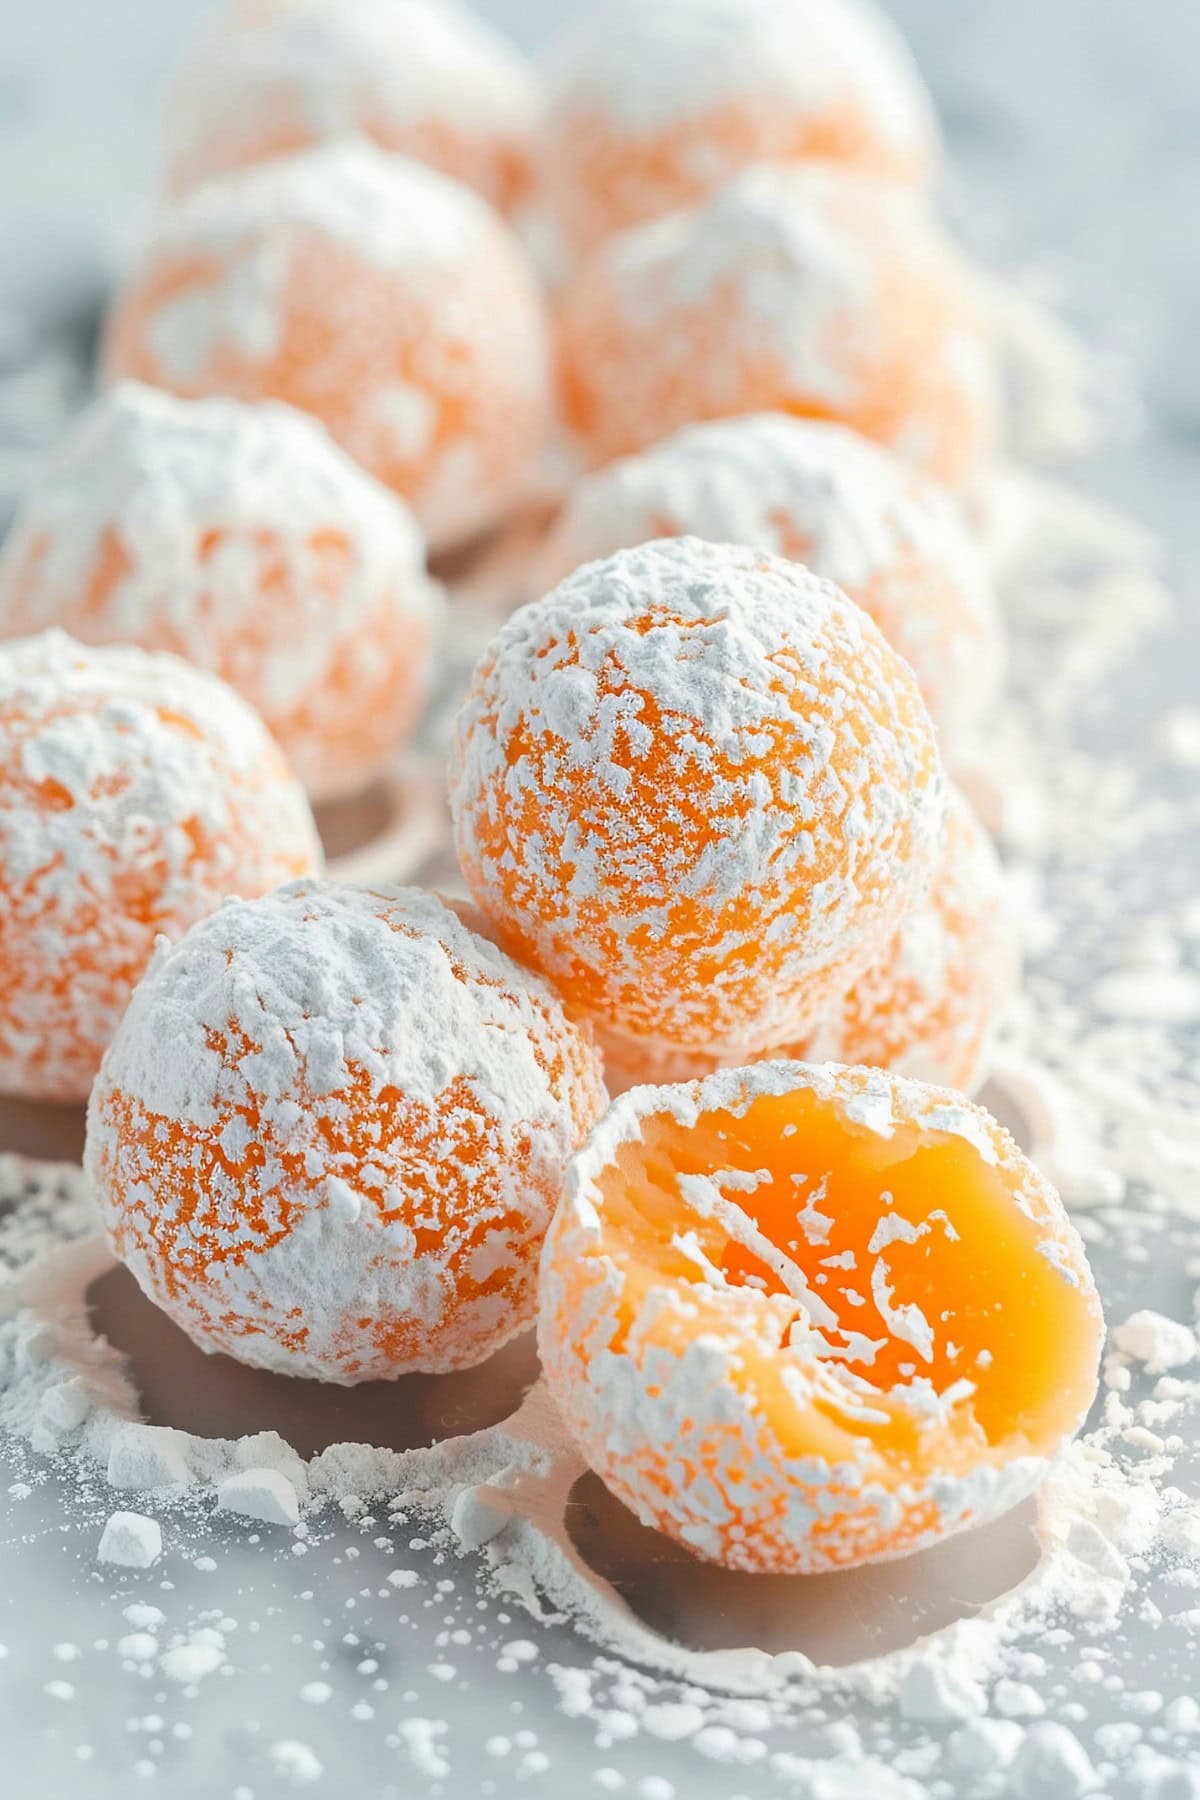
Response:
column 426, row 78
column 384, row 298
column 806, row 290
column 331, row 1131
column 653, row 106
column 689, row 1388
column 815, row 492
column 925, row 1009
column 695, row 787
column 242, row 539
column 136, row 793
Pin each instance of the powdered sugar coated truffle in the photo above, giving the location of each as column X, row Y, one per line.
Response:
column 427, row 78
column 653, row 106
column 136, row 793
column 384, row 298
column 815, row 492
column 805, row 290
column 696, row 787
column 242, row 539
column 331, row 1132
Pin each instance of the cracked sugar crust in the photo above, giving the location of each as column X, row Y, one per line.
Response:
column 331, row 1133
column 773, row 1345
column 823, row 496
column 696, row 788
column 242, row 539
column 806, row 290
column 136, row 793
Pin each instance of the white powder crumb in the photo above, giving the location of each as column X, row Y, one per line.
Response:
column 404, row 1578
column 132, row 1540
column 933, row 1691
column 66, row 1405
column 294, row 1762
column 673, row 1720
column 191, row 1662
column 316, row 1693
column 1182, row 1717
column 143, row 1617
column 59, row 1690
column 985, row 1746
column 147, row 1456
column 1151, row 1338
column 262, row 1494
column 521, row 1651
column 1017, row 1700
column 1180, row 734
column 478, row 1515
column 137, row 1647
column 1051, row 1765
column 420, row 1740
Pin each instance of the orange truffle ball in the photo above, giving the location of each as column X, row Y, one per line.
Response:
column 804, row 1317
column 426, row 78
column 807, row 291
column 135, row 794
column 696, row 788
column 651, row 107
column 887, row 536
column 331, row 1131
column 925, row 1008
column 242, row 539
column 376, row 294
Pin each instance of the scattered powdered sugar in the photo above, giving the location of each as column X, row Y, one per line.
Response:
column 1100, row 1633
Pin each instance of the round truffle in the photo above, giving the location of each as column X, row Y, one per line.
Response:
column 696, row 787
column 387, row 300
column 925, row 1008
column 426, row 78
column 806, row 290
column 651, row 107
column 889, row 537
column 242, row 539
column 331, row 1132
column 800, row 1318
column 136, row 793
